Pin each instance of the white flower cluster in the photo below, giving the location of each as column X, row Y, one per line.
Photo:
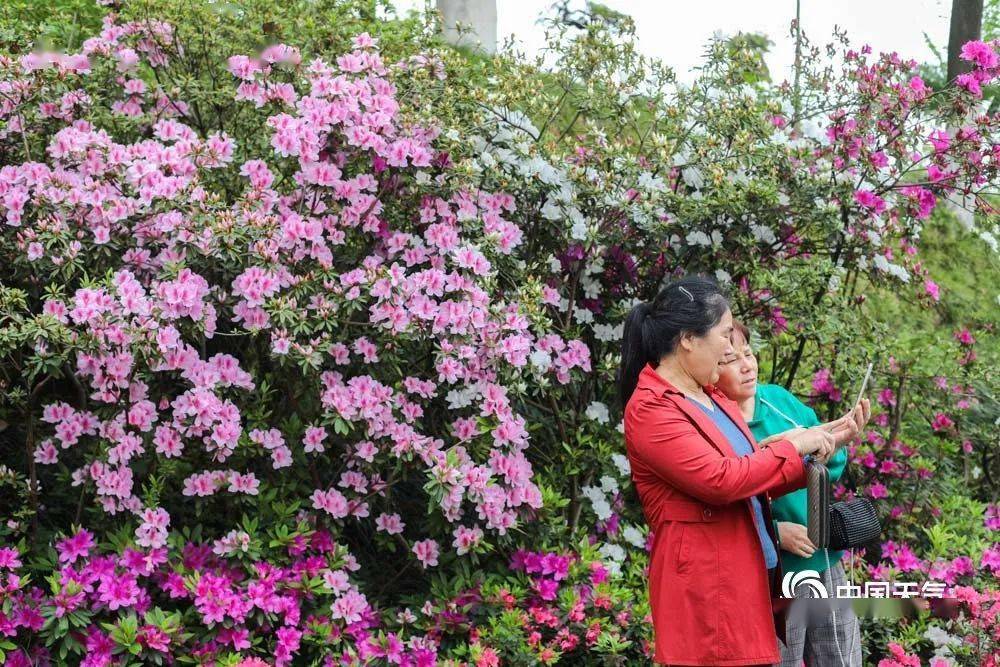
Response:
column 990, row 240
column 609, row 333
column 701, row 238
column 508, row 147
column 634, row 536
column 652, row 183
column 614, row 554
column 809, row 130
column 835, row 279
column 541, row 360
column 598, row 496
column 943, row 641
column 591, row 285
column 598, row 412
column 621, row 462
column 462, row 397
column 885, row 266
column 763, row 234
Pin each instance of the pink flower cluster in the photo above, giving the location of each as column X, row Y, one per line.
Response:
column 823, row 386
column 164, row 390
column 230, row 599
column 986, row 64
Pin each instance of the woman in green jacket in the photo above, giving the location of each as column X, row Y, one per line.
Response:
column 820, row 639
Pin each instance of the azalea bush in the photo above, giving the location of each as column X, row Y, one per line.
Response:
column 309, row 335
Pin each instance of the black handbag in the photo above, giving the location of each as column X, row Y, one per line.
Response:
column 841, row 525
column 853, row 523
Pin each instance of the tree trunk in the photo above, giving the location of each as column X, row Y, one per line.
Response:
column 966, row 25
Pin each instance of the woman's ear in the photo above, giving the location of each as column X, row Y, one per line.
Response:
column 686, row 341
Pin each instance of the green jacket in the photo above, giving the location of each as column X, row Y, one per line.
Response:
column 776, row 410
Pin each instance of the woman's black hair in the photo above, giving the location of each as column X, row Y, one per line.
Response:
column 692, row 304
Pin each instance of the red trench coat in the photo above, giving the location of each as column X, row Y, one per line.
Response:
column 711, row 600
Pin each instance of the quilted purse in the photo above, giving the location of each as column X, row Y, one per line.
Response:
column 841, row 525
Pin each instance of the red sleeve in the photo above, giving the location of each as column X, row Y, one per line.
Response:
column 667, row 443
column 797, row 481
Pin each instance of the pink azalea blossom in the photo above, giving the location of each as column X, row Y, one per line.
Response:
column 426, row 552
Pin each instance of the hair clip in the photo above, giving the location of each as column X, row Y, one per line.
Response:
column 689, row 295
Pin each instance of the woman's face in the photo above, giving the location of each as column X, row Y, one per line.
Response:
column 738, row 370
column 705, row 352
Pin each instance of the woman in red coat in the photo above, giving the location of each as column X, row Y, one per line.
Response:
column 704, row 483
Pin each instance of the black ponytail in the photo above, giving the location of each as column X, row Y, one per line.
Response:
column 692, row 304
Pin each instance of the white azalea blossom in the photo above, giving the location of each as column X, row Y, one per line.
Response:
column 612, row 551
column 698, row 238
column 647, row 181
column 602, row 509
column 507, row 156
column 899, row 272
column 621, row 462
column 461, row 398
column 738, row 176
column 598, row 412
column 517, row 120
column 608, row 333
column 533, row 166
column 552, row 211
column 833, row 284
column 813, row 130
column 763, row 234
column 565, row 193
column 633, row 536
column 595, row 265
column 943, row 641
column 609, row 484
column 598, row 501
column 693, row 177
column 550, row 175
column 614, row 556
column 582, row 315
column 541, row 359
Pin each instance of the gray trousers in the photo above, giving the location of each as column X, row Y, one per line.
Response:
column 823, row 633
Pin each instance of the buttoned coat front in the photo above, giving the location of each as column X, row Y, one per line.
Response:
column 711, row 600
